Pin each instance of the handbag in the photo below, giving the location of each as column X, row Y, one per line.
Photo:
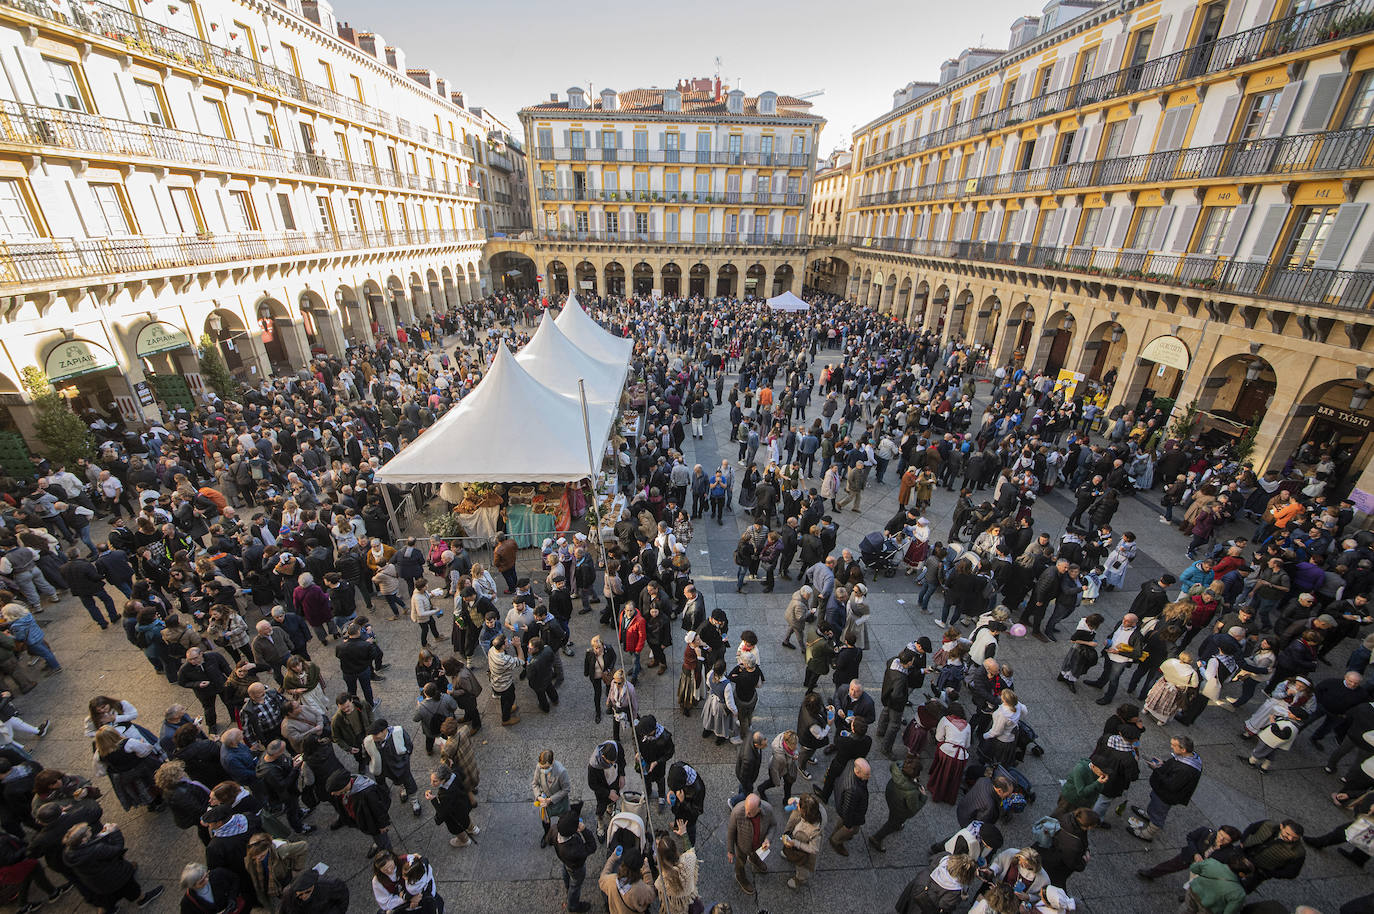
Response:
column 1360, row 834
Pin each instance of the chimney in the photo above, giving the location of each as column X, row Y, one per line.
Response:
column 346, row 34
column 553, row 96
column 717, row 89
column 457, row 98
column 396, row 59
column 369, row 42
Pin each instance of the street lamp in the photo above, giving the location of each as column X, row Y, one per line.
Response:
column 1253, row 370
column 1360, row 398
column 1116, row 333
column 214, row 322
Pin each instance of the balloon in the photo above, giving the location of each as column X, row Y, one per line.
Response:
column 1018, row 630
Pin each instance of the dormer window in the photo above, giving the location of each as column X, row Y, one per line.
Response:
column 768, row 103
column 609, row 100
column 734, row 102
column 577, row 97
column 672, row 100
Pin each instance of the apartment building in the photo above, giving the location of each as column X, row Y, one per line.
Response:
column 257, row 172
column 829, row 203
column 1170, row 195
column 696, row 189
column 501, row 173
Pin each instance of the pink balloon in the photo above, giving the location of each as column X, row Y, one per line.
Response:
column 1018, row 630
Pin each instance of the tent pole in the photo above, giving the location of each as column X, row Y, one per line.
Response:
column 591, row 467
column 391, row 514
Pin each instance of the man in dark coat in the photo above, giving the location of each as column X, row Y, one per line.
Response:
column 88, row 585
column 748, row 763
column 983, row 801
column 851, row 804
column 228, row 847
column 573, row 843
column 1171, row 784
column 206, row 673
column 365, row 806
column 312, row 893
column 451, row 798
column 540, row 673
column 54, row 821
column 97, row 860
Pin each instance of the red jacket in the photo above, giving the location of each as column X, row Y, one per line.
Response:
column 634, row 635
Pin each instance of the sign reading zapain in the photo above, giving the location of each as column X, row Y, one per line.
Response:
column 74, row 358
column 159, row 337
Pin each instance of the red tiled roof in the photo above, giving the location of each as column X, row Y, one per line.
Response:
column 650, row 101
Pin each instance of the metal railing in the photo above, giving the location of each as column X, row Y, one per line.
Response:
column 59, row 258
column 150, row 37
column 671, row 156
column 1328, row 151
column 1348, row 290
column 770, row 239
column 1332, row 22
column 37, row 125
column 594, row 195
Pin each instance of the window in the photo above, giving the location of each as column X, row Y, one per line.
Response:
column 642, row 225
column 1042, row 79
column 216, row 121
column 1258, row 113
column 402, row 216
column 1065, row 147
column 355, row 216
column 1215, row 221
column 798, row 149
column 735, row 142
column 288, row 219
column 670, row 182
column 702, row 228
column 293, row 62
column 370, row 151
column 545, row 138
column 1087, row 226
column 766, row 146
column 611, row 180
column 703, row 180
column 612, row 222
column 267, row 129
column 240, row 212
column 243, row 40
column 641, row 183
column 760, row 226
column 1086, row 61
column 1361, row 112
column 672, row 141
column 608, row 139
column 341, row 139
column 325, row 213
column 670, row 226
column 357, row 87
column 328, row 72
column 1027, row 155
column 16, row 220
column 1111, row 143
column 110, row 208
column 641, row 140
column 1145, row 219
column 731, row 225
column 1309, row 237
column 1009, row 93
column 66, row 85
column 186, row 211
column 382, row 220
column 1140, row 52
column 152, row 104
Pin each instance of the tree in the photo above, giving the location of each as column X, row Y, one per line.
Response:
column 1245, row 446
column 215, row 371
column 1184, row 420
column 64, row 434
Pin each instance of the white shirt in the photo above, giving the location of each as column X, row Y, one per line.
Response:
column 1121, row 636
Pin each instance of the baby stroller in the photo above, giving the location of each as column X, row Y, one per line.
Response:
column 1026, row 739
column 879, row 553
column 626, row 828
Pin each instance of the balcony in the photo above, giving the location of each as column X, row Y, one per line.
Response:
column 670, row 156
column 689, row 198
column 1346, row 290
column 54, row 259
column 154, row 39
column 118, row 140
column 1332, row 22
column 1333, row 151
column 777, row 239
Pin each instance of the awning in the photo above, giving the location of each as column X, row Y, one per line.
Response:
column 1167, row 350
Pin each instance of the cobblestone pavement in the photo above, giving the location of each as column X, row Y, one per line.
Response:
column 506, row 871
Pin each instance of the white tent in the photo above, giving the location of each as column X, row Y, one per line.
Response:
column 589, row 336
column 510, row 428
column 787, row 302
column 554, row 361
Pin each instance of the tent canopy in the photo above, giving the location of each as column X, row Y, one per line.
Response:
column 510, row 428
column 787, row 302
column 554, row 361
column 591, row 337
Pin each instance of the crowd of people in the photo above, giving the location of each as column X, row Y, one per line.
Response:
column 238, row 539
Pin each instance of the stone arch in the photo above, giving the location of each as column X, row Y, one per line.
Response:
column 438, row 301
column 1056, row 337
column 754, row 279
column 396, row 306
column 699, row 280
column 829, row 274
column 228, row 331
column 939, row 309
column 321, row 325
column 783, row 278
column 1017, row 334
column 672, row 280
column 556, row 277
column 356, row 329
column 475, row 290
column 1239, row 388
column 920, row 299
column 1334, row 413
column 889, row 293
column 586, row 273
column 901, row 307
column 419, row 299
column 1104, row 350
column 727, row 280
column 615, row 278
column 282, row 338
column 512, row 270
column 986, row 322
column 960, row 314
column 642, row 279
column 865, row 283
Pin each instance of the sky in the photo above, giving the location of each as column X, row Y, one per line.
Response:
column 511, row 53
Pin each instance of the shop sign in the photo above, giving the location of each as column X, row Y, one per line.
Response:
column 1344, row 417
column 1363, row 501
column 1167, row 350
column 1068, row 382
column 74, row 358
column 159, row 337
column 145, row 393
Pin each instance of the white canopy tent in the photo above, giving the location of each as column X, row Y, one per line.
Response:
column 787, row 302
column 556, row 362
column 510, row 428
column 591, row 337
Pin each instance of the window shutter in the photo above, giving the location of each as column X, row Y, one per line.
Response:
column 1342, row 231
column 992, row 225
column 1157, row 40
column 1123, row 224
column 1367, row 258
column 1181, row 34
column 1269, row 230
column 1018, row 218
column 1128, row 136
column 1325, row 93
column 1166, row 216
column 1287, row 97
column 1068, row 227
column 1087, row 148
column 1232, row 20
column 1076, row 145
column 566, row 139
column 1263, row 13
column 1049, row 232
column 1107, row 59
column 662, row 139
column 1104, row 226
column 1057, row 76
column 1239, row 217
column 1186, row 223
column 1226, row 120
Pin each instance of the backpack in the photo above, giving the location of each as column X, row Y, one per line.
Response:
column 1044, row 830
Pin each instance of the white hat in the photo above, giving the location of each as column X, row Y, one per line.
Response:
column 548, row 542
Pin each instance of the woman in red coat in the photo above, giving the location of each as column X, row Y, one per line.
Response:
column 633, row 635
